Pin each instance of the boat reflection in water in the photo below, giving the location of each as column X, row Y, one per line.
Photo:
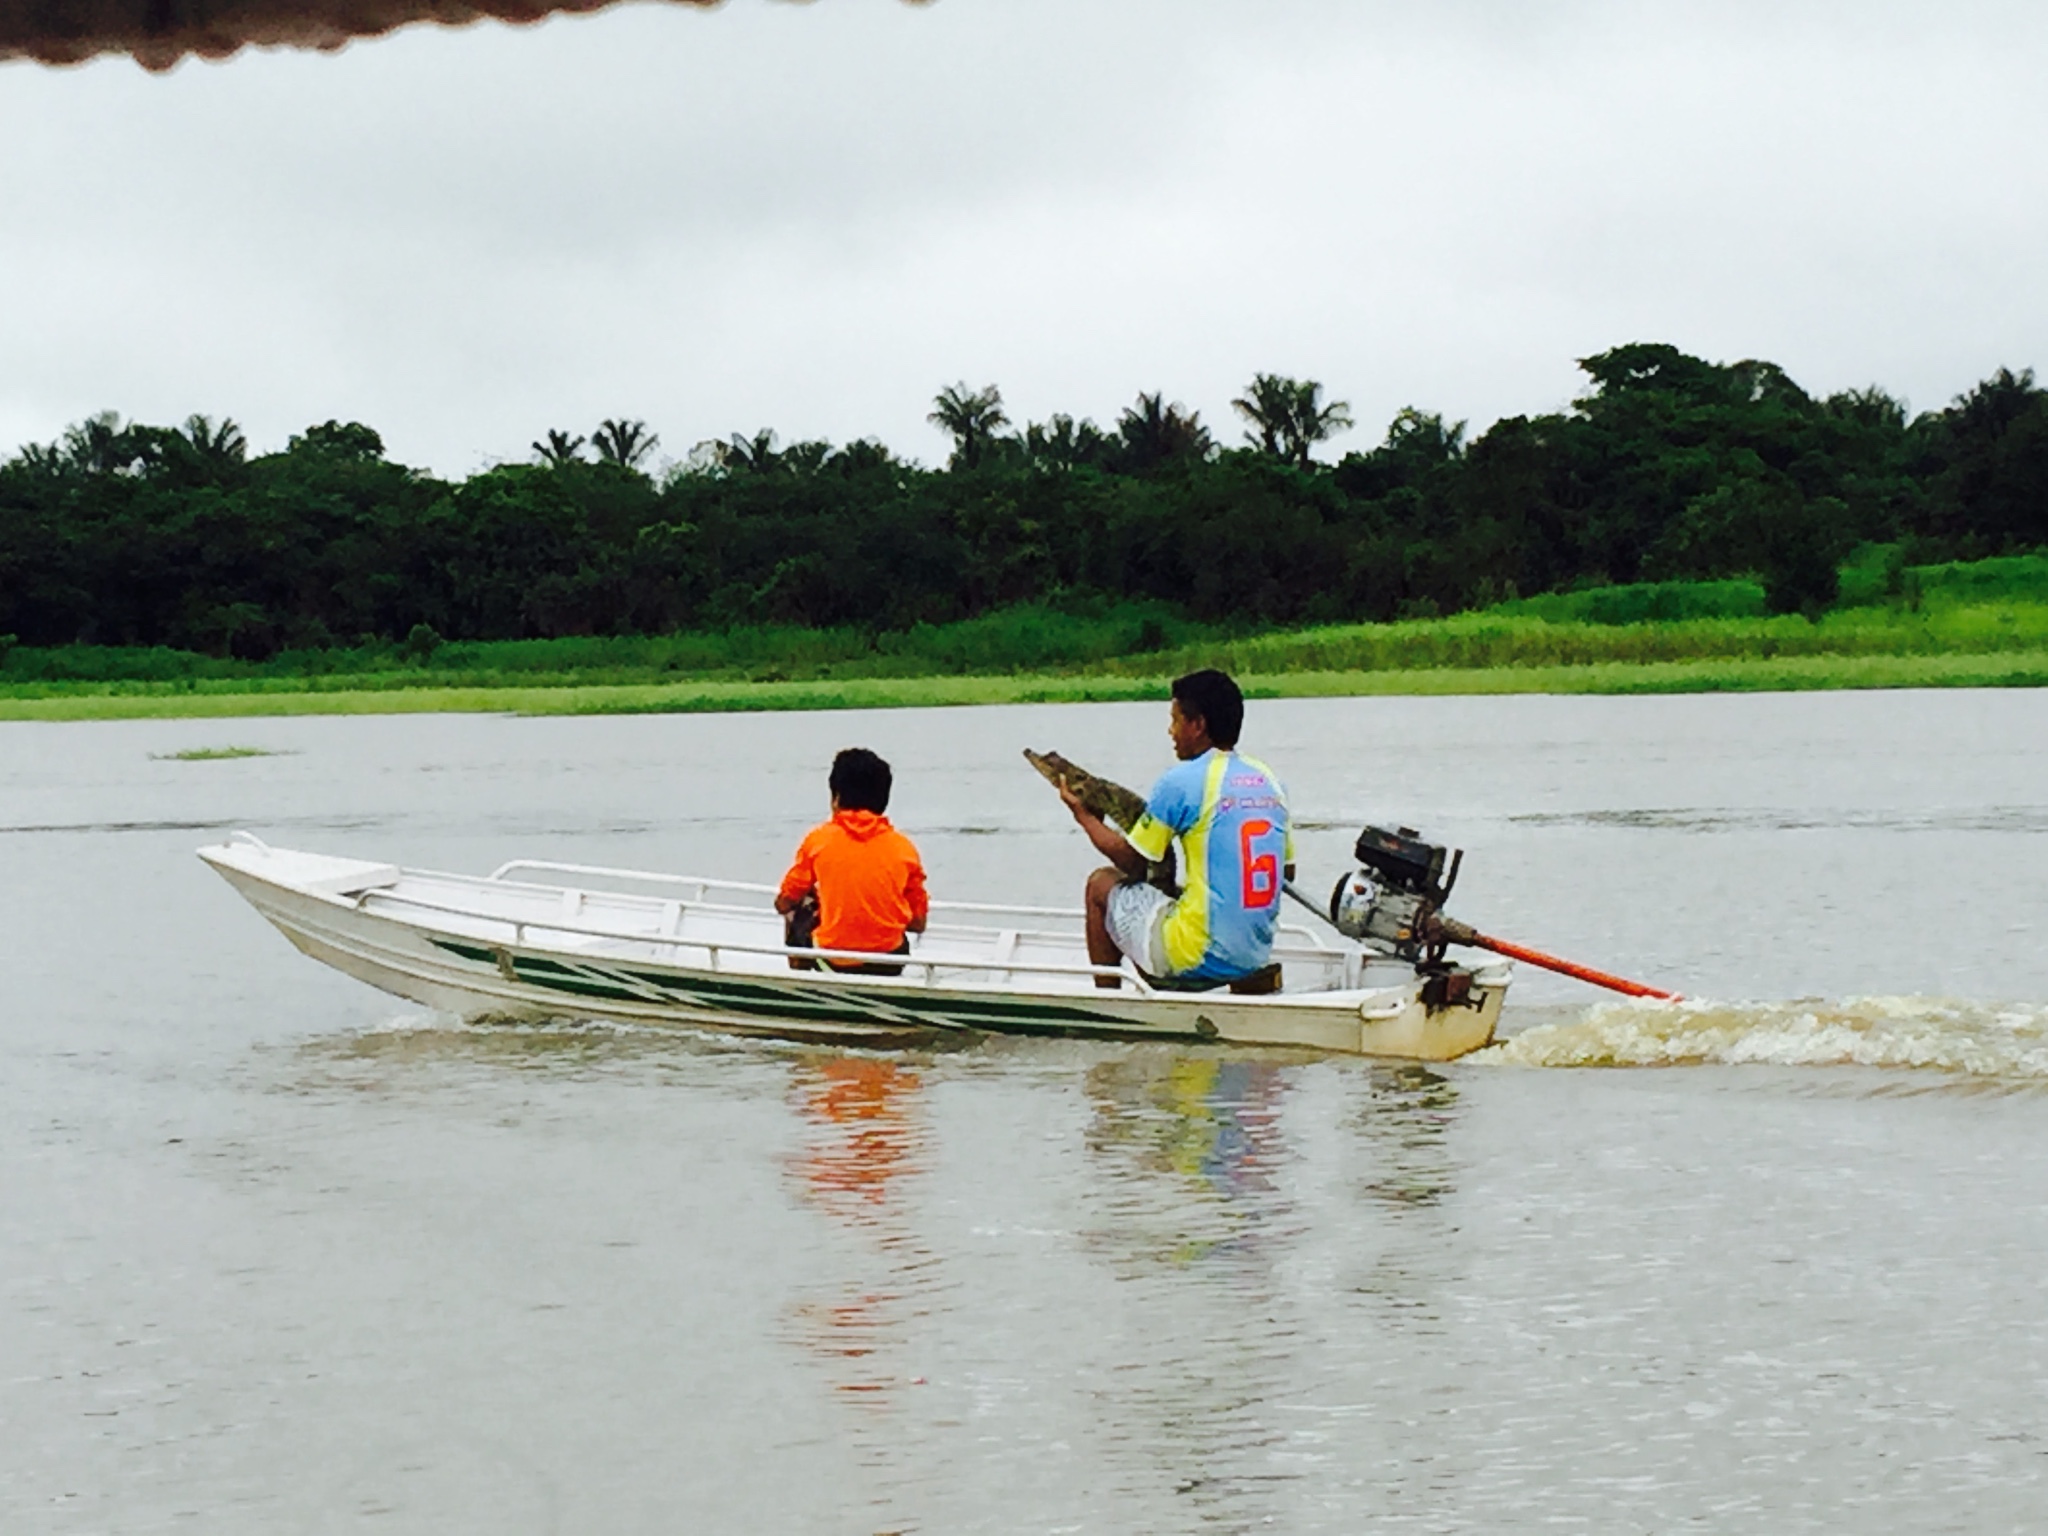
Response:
column 1406, row 1120
column 1281, row 1215
column 1190, row 1215
column 1405, row 1255
column 1211, row 1121
column 1226, row 1132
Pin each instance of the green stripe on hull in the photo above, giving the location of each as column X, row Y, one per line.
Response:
column 994, row 1008
column 799, row 1004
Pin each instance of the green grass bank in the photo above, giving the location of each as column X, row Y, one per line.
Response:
column 1980, row 624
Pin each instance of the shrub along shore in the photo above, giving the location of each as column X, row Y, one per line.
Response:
column 1974, row 624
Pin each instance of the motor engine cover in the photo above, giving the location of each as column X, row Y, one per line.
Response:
column 1390, row 921
column 1402, row 860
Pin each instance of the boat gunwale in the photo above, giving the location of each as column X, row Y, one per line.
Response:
column 996, row 972
column 712, row 947
column 708, row 883
column 1317, row 941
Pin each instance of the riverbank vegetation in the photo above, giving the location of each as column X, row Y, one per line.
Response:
column 1680, row 511
column 1982, row 623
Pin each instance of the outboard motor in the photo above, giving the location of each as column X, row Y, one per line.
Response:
column 1393, row 903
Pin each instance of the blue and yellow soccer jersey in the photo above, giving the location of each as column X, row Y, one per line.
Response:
column 1230, row 815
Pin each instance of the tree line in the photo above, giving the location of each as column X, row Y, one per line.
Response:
column 1666, row 467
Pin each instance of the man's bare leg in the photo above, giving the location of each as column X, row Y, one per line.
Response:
column 1102, row 948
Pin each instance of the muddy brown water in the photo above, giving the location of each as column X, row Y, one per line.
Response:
column 278, row 1253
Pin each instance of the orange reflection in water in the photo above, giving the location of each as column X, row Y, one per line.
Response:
column 865, row 1108
column 863, row 1134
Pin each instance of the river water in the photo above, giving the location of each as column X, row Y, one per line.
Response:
column 279, row 1253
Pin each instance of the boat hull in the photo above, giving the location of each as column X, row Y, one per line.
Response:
column 467, row 968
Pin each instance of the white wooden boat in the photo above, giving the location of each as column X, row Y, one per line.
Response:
column 535, row 940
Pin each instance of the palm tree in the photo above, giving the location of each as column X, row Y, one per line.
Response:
column 197, row 453
column 1268, row 404
column 1156, row 433
column 559, row 448
column 1064, row 443
column 1314, row 421
column 750, row 455
column 41, row 458
column 1290, row 416
column 806, row 457
column 1424, row 435
column 973, row 417
column 101, row 445
column 624, row 443
column 219, row 447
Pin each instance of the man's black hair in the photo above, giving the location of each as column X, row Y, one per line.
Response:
column 1211, row 697
column 860, row 781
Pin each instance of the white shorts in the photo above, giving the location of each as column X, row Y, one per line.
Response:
column 1136, row 913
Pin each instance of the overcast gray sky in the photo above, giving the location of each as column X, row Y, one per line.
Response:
column 810, row 217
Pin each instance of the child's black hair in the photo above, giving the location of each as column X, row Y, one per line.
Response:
column 860, row 781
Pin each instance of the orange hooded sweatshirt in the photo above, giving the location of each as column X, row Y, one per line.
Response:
column 869, row 880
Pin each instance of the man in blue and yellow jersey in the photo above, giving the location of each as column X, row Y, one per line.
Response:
column 1237, row 848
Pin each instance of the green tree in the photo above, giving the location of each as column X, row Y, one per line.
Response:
column 558, row 448
column 103, row 445
column 221, row 445
column 1425, row 437
column 1667, row 465
column 1268, row 404
column 198, row 453
column 1062, row 443
column 1652, row 366
column 974, row 418
column 743, row 455
column 625, row 444
column 1289, row 416
column 1993, row 483
column 349, row 441
column 1152, row 434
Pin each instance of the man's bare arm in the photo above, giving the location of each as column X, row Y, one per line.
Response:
column 1109, row 842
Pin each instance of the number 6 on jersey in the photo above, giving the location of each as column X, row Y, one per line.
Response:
column 1261, row 871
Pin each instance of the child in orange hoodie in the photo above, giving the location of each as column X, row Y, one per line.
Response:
column 857, row 883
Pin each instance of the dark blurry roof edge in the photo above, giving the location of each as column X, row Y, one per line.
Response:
column 158, row 33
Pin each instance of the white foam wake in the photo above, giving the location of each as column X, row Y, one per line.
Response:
column 1934, row 1033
